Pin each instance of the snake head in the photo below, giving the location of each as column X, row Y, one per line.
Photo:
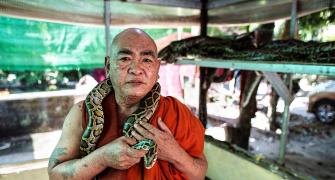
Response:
column 151, row 156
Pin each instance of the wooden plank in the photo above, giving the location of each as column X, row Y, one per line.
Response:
column 279, row 86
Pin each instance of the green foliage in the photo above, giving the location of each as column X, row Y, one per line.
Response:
column 28, row 81
column 311, row 25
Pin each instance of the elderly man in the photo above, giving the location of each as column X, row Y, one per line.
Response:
column 133, row 71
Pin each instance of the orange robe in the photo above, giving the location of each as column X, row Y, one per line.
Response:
column 185, row 127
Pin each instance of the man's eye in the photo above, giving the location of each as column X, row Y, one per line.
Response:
column 125, row 59
column 147, row 60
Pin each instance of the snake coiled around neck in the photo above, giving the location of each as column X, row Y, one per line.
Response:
column 145, row 111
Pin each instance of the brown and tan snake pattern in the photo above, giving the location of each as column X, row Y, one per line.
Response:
column 95, row 125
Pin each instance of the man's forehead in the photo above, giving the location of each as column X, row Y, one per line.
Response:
column 135, row 46
column 143, row 52
column 134, row 40
column 134, row 35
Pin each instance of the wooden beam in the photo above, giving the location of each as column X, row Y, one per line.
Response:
column 279, row 86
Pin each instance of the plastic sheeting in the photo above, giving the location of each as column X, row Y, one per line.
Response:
column 159, row 12
column 38, row 45
column 91, row 12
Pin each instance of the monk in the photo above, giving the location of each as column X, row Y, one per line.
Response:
column 179, row 135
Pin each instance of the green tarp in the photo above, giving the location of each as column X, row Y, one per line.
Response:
column 39, row 45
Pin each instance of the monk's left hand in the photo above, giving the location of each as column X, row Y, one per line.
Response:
column 168, row 147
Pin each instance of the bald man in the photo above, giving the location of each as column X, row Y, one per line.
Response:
column 133, row 69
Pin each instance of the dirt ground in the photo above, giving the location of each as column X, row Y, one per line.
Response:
column 310, row 146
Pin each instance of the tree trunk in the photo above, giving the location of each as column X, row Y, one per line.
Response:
column 240, row 135
column 272, row 110
column 248, row 104
column 206, row 78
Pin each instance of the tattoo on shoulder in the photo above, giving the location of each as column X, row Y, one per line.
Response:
column 54, row 158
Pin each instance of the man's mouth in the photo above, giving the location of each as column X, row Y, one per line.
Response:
column 135, row 82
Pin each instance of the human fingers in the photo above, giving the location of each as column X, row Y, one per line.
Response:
column 128, row 163
column 135, row 153
column 137, row 136
column 150, row 128
column 144, row 132
column 163, row 126
column 129, row 141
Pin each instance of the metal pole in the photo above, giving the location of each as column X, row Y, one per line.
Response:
column 286, row 115
column 285, row 122
column 293, row 22
column 203, row 18
column 203, row 83
column 107, row 20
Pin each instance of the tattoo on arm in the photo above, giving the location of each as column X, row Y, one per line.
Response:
column 70, row 170
column 54, row 158
column 54, row 161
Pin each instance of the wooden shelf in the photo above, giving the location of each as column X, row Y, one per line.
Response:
column 284, row 67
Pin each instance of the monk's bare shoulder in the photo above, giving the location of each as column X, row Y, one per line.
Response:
column 79, row 105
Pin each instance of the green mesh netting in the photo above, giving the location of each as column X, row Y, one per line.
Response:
column 38, row 45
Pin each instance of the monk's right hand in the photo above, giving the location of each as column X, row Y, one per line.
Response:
column 119, row 154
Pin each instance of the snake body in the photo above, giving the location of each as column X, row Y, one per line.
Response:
column 243, row 48
column 146, row 109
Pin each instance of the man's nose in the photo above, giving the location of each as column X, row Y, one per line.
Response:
column 135, row 67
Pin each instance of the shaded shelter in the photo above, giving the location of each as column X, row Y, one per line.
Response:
column 169, row 13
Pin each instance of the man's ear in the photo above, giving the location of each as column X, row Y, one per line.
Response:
column 159, row 60
column 159, row 65
column 107, row 64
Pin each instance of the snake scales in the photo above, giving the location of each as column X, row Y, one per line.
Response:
column 95, row 125
column 243, row 48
